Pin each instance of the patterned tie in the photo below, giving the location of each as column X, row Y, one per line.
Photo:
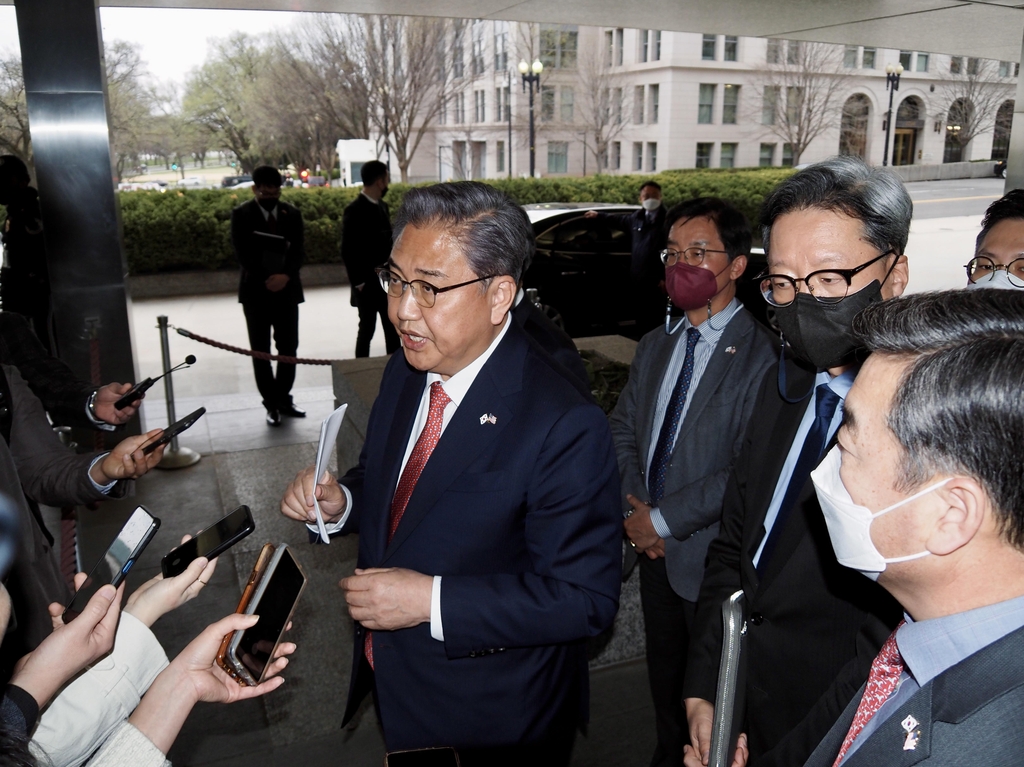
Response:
column 825, row 403
column 673, row 412
column 425, row 445
column 885, row 673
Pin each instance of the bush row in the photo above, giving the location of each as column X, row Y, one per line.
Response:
column 190, row 229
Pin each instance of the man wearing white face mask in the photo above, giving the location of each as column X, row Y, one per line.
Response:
column 924, row 494
column 646, row 228
column 999, row 254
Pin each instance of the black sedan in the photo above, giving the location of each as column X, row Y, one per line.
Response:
column 581, row 270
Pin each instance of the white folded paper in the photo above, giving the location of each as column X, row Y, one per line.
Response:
column 328, row 438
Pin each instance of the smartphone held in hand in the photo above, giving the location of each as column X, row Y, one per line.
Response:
column 211, row 542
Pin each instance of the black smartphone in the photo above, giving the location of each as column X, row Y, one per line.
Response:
column 444, row 756
column 174, row 430
column 114, row 565
column 276, row 596
column 214, row 540
column 135, row 393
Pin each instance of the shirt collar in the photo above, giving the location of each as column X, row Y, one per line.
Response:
column 840, row 384
column 375, row 202
column 457, row 385
column 266, row 213
column 711, row 330
column 930, row 647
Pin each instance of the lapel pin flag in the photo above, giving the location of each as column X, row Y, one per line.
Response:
column 730, row 349
column 488, row 418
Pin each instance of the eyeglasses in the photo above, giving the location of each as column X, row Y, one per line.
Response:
column 424, row 293
column 983, row 269
column 691, row 256
column 828, row 286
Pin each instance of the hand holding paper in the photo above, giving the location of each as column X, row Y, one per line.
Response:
column 328, row 438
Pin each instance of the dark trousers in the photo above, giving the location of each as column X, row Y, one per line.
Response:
column 283, row 318
column 668, row 619
column 373, row 301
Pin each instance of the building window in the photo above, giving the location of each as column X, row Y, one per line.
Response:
column 568, row 99
column 850, row 57
column 727, row 158
column 638, row 155
column 558, row 46
column 638, row 104
column 654, row 96
column 1004, row 68
column 616, row 159
column 793, row 52
column 922, row 62
column 794, row 103
column 609, row 48
column 973, row 65
column 731, row 51
column 547, row 103
column 707, row 49
column 442, row 113
column 656, row 46
column 706, row 103
column 787, row 155
column 767, row 155
column 730, row 103
column 645, row 41
column 618, row 47
column 478, row 47
column 770, row 105
column 460, row 108
column 774, row 52
column 704, row 155
column 558, row 157
column 868, row 59
column 617, row 105
column 652, row 156
column 500, row 164
column 500, row 46
column 905, row 59
column 956, row 65
column 479, row 106
column 502, row 105
column 457, row 50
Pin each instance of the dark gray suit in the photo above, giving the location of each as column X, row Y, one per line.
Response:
column 709, row 438
column 972, row 713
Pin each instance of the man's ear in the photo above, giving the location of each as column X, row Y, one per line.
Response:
column 503, row 295
column 965, row 513
column 737, row 267
column 897, row 282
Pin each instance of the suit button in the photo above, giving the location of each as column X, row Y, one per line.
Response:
column 4, row 411
column 757, row 619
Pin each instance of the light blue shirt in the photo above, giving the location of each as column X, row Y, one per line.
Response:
column 840, row 385
column 933, row 646
column 710, row 334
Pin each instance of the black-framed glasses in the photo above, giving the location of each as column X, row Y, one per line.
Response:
column 981, row 269
column 692, row 256
column 423, row 292
column 827, row 286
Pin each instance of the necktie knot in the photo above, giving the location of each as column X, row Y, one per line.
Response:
column 825, row 402
column 438, row 398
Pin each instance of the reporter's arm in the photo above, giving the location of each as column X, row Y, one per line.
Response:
column 128, row 746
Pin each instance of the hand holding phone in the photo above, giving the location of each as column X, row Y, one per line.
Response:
column 158, row 596
column 211, row 542
column 174, row 430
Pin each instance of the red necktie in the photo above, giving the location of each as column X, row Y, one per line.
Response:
column 885, row 673
column 425, row 445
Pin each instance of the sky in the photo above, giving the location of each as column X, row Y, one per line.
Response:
column 173, row 40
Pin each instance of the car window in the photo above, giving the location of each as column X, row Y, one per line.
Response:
column 546, row 239
column 591, row 235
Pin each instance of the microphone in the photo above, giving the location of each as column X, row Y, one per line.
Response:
column 142, row 387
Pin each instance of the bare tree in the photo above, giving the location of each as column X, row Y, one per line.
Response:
column 797, row 92
column 129, row 101
column 971, row 94
column 605, row 103
column 14, row 134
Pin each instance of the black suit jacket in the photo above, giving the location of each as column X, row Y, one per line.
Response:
column 246, row 220
column 552, row 340
column 648, row 240
column 809, row 617
column 365, row 239
column 972, row 713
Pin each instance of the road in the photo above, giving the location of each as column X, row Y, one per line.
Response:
column 960, row 197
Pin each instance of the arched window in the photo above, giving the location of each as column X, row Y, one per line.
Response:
column 959, row 120
column 853, row 132
column 1001, row 132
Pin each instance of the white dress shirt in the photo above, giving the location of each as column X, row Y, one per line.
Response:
column 456, row 387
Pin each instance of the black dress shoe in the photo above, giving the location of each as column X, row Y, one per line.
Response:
column 273, row 418
column 293, row 412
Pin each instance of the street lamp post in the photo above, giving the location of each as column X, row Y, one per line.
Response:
column 531, row 80
column 892, row 84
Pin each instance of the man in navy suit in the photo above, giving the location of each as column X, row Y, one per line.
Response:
column 923, row 494
column 486, row 498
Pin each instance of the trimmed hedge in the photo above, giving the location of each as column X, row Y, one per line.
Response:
column 190, row 229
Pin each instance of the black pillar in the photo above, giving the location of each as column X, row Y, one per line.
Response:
column 65, row 87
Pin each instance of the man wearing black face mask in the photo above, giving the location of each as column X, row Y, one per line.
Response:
column 677, row 426
column 834, row 235
column 267, row 237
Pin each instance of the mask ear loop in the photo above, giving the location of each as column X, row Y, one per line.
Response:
column 669, row 330
column 783, row 391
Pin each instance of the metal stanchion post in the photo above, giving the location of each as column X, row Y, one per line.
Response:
column 175, row 457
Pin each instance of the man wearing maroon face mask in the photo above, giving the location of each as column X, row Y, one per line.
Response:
column 677, row 426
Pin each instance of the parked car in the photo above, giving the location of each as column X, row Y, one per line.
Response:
column 232, row 181
column 581, row 269
column 192, row 182
column 1000, row 169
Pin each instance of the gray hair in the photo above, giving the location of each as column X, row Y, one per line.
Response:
column 958, row 409
column 874, row 196
column 495, row 234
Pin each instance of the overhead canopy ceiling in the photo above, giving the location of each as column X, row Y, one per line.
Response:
column 986, row 28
